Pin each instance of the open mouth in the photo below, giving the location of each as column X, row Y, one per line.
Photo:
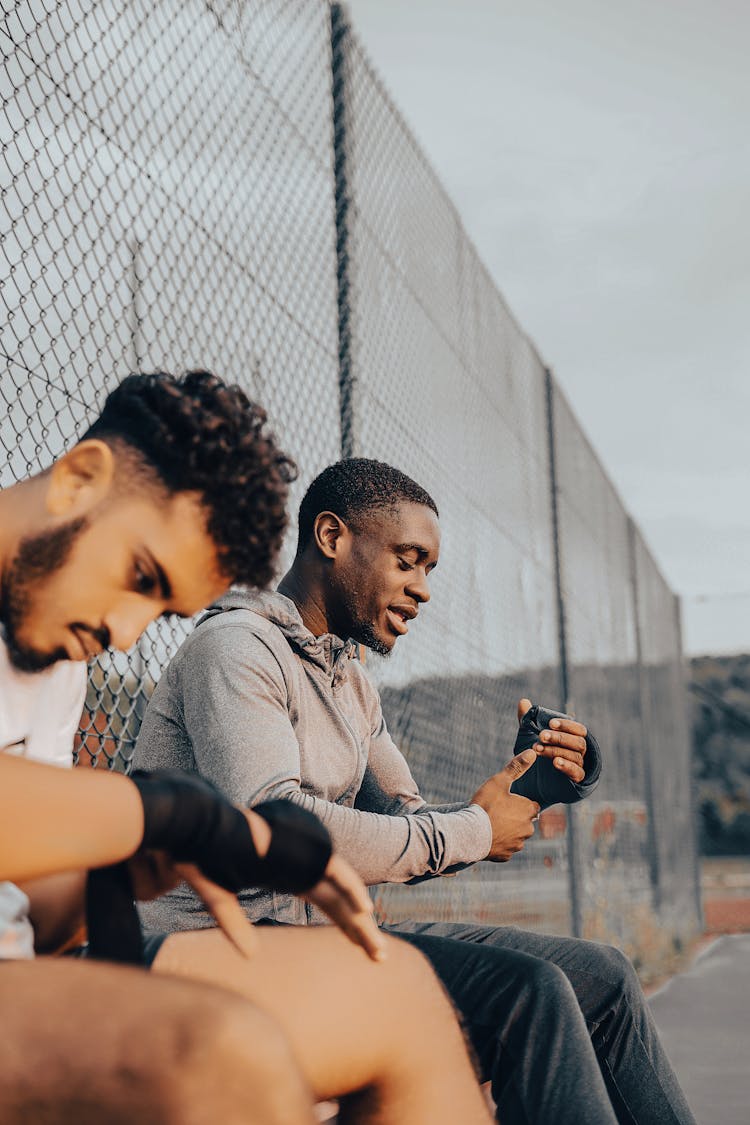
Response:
column 399, row 619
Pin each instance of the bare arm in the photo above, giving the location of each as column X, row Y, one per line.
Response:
column 58, row 820
column 57, row 823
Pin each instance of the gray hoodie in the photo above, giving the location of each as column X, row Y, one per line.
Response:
column 262, row 708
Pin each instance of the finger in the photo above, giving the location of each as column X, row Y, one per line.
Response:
column 569, row 725
column 559, row 738
column 556, row 752
column 517, row 766
column 359, row 926
column 576, row 773
column 363, row 932
column 524, row 705
column 224, row 907
column 348, row 883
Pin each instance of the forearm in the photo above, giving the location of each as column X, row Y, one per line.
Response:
column 395, row 849
column 57, row 820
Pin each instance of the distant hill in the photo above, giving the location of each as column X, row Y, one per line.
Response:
column 720, row 690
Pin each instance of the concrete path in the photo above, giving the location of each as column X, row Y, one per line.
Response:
column 704, row 1019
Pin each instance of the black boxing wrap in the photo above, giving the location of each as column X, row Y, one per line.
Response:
column 190, row 820
column 186, row 817
column 542, row 782
column 300, row 846
column 114, row 929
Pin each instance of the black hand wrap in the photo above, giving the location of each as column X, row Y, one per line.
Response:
column 190, row 820
column 542, row 782
column 300, row 847
column 114, row 929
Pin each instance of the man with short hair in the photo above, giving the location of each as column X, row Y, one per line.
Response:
column 174, row 492
column 266, row 698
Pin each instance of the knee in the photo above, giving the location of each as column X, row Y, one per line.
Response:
column 233, row 1057
column 617, row 969
column 233, row 1037
column 547, row 983
column 408, row 965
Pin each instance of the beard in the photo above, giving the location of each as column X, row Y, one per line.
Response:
column 360, row 627
column 37, row 559
column 364, row 634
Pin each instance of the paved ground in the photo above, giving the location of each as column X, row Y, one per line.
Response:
column 704, row 1018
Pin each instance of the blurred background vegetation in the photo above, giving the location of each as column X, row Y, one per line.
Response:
column 720, row 689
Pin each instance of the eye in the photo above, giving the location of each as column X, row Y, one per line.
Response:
column 144, row 581
column 404, row 564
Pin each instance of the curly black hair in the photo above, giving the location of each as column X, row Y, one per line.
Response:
column 353, row 488
column 198, row 434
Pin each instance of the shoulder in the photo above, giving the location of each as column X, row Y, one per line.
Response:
column 238, row 635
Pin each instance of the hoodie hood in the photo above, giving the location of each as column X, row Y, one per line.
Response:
column 328, row 652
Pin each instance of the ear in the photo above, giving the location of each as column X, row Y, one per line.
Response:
column 80, row 479
column 330, row 533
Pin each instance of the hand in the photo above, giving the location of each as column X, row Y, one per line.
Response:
column 564, row 741
column 342, row 895
column 153, row 873
column 511, row 816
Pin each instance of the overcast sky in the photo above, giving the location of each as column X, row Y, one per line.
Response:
column 599, row 155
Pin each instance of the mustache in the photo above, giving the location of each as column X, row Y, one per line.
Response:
column 100, row 633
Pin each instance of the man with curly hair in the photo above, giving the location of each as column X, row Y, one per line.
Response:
column 175, row 491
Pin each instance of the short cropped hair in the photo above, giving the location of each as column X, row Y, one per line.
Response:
column 354, row 488
column 195, row 433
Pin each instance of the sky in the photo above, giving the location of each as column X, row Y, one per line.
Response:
column 599, row 156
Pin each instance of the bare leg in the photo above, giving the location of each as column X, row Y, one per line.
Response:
column 92, row 1043
column 385, row 1031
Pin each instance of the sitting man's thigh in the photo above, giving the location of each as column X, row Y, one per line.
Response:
column 597, row 972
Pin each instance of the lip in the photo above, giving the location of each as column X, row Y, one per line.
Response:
column 397, row 622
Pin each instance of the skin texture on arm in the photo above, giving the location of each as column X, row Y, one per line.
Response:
column 58, row 820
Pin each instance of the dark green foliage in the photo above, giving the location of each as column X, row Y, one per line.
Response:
column 720, row 689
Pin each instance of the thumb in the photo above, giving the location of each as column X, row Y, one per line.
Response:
column 524, row 705
column 517, row 766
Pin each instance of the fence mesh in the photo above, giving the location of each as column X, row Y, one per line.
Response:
column 228, row 185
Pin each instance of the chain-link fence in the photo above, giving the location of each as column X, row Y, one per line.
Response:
column 227, row 184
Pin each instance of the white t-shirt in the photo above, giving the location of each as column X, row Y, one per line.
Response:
column 39, row 716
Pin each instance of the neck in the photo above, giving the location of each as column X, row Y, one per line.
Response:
column 303, row 586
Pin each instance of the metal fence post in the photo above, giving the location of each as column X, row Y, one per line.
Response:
column 575, row 859
column 654, row 865
column 696, row 865
column 340, row 32
column 136, row 311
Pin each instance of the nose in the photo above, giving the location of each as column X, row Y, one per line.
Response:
column 419, row 585
column 128, row 618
